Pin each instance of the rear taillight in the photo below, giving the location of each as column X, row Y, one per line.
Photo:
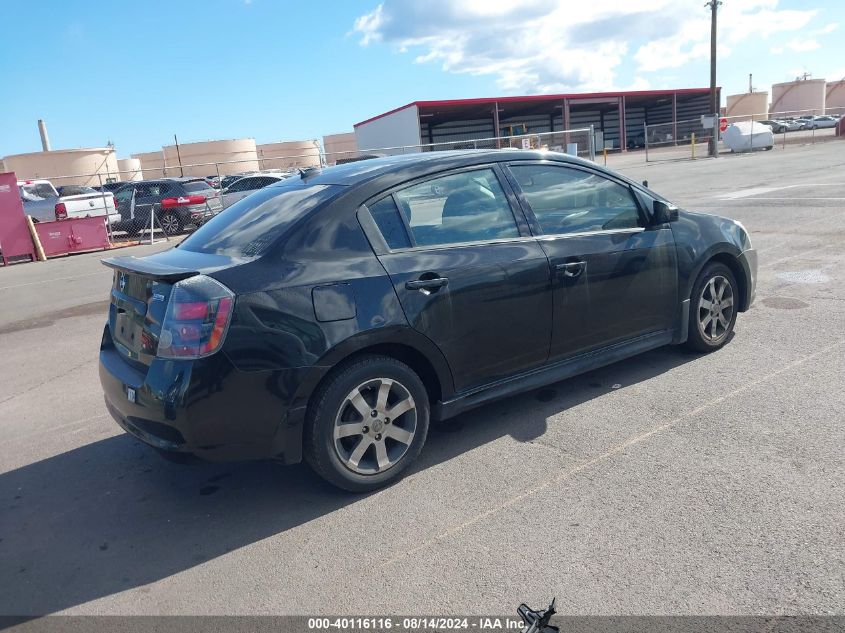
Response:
column 197, row 318
column 182, row 201
column 61, row 211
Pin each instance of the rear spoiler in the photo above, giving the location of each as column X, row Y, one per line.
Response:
column 149, row 268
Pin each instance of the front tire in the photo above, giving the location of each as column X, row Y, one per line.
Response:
column 367, row 423
column 713, row 308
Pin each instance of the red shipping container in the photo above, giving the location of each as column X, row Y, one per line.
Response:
column 73, row 236
column 15, row 238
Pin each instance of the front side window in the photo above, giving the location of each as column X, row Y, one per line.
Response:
column 566, row 200
column 466, row 207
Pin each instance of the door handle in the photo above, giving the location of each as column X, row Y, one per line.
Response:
column 571, row 269
column 427, row 284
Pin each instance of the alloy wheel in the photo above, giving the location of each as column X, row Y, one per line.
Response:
column 715, row 309
column 375, row 426
column 170, row 224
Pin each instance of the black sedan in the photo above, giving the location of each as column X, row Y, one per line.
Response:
column 331, row 316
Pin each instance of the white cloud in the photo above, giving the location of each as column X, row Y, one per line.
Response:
column 555, row 45
column 797, row 46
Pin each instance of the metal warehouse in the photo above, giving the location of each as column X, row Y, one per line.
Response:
column 618, row 115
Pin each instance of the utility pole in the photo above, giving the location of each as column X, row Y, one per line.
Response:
column 178, row 156
column 714, row 102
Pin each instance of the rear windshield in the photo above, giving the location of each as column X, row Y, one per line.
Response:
column 196, row 185
column 250, row 226
column 75, row 190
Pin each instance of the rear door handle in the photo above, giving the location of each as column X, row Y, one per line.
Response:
column 427, row 284
column 571, row 269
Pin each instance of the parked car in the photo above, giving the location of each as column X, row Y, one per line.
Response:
column 330, row 316
column 111, row 186
column 179, row 202
column 241, row 188
column 793, row 125
column 778, row 127
column 227, row 181
column 823, row 122
column 44, row 203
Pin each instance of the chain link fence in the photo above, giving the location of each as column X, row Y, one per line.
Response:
column 577, row 142
column 162, row 201
column 689, row 140
column 678, row 140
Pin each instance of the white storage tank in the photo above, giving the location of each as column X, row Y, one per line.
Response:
column 198, row 159
column 796, row 98
column 744, row 106
column 130, row 169
column 288, row 154
column 835, row 97
column 340, row 147
column 87, row 167
column 152, row 164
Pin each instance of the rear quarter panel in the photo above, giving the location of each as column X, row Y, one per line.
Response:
column 275, row 326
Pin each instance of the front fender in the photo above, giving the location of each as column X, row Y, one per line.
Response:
column 701, row 237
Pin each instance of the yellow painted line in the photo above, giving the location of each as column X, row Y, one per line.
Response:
column 616, row 450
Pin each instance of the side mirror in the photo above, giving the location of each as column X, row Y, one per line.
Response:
column 664, row 212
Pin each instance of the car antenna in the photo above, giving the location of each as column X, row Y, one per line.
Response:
column 304, row 171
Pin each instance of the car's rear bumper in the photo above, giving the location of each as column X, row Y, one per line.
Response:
column 206, row 407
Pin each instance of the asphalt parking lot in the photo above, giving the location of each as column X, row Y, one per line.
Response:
column 667, row 484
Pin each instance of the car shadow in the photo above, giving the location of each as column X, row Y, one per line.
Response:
column 112, row 515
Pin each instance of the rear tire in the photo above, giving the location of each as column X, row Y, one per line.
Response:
column 171, row 223
column 713, row 308
column 367, row 423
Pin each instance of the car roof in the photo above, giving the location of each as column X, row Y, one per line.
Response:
column 360, row 171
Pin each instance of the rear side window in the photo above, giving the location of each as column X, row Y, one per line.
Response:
column 37, row 191
column 250, row 226
column 466, row 207
column 566, row 200
column 390, row 223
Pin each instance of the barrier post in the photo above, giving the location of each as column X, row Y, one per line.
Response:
column 604, row 151
column 592, row 143
column 645, row 140
column 813, row 126
column 105, row 206
column 692, row 144
column 751, row 144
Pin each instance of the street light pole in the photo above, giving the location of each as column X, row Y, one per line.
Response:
column 714, row 101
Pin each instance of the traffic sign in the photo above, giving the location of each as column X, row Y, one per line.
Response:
column 723, row 124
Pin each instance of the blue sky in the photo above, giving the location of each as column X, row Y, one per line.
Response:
column 135, row 73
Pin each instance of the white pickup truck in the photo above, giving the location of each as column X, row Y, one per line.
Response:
column 43, row 203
